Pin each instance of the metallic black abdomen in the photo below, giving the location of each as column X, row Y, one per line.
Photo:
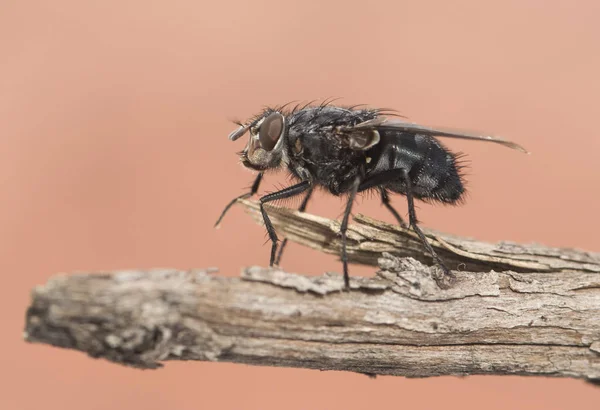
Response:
column 433, row 170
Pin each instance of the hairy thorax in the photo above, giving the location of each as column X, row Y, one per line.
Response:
column 317, row 154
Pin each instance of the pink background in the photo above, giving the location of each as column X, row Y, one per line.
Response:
column 113, row 124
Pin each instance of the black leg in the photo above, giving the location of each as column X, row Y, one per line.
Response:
column 386, row 201
column 395, row 175
column 253, row 191
column 344, row 228
column 301, row 209
column 284, row 193
column 380, row 179
column 412, row 220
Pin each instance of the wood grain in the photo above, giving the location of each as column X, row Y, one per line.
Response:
column 514, row 309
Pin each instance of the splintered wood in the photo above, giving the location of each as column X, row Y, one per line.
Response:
column 514, row 309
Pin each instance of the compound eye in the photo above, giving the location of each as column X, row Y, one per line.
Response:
column 270, row 131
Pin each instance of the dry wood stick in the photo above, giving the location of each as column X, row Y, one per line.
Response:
column 515, row 309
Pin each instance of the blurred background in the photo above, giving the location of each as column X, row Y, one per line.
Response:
column 114, row 118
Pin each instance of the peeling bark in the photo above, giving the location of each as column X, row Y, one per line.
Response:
column 518, row 310
column 369, row 238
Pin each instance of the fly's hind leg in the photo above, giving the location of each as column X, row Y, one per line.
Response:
column 448, row 277
column 393, row 175
column 385, row 199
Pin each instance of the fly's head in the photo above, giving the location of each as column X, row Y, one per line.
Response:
column 266, row 145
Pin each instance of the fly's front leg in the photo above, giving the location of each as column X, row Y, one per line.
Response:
column 344, row 228
column 301, row 209
column 253, row 191
column 284, row 193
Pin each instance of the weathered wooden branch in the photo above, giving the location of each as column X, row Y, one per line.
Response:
column 514, row 309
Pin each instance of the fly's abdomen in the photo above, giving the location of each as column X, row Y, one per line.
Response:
column 432, row 169
column 437, row 177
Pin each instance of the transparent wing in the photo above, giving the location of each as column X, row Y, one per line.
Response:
column 383, row 123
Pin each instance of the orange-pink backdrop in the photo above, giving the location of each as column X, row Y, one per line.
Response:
column 113, row 125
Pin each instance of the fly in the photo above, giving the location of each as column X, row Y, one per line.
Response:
column 349, row 150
